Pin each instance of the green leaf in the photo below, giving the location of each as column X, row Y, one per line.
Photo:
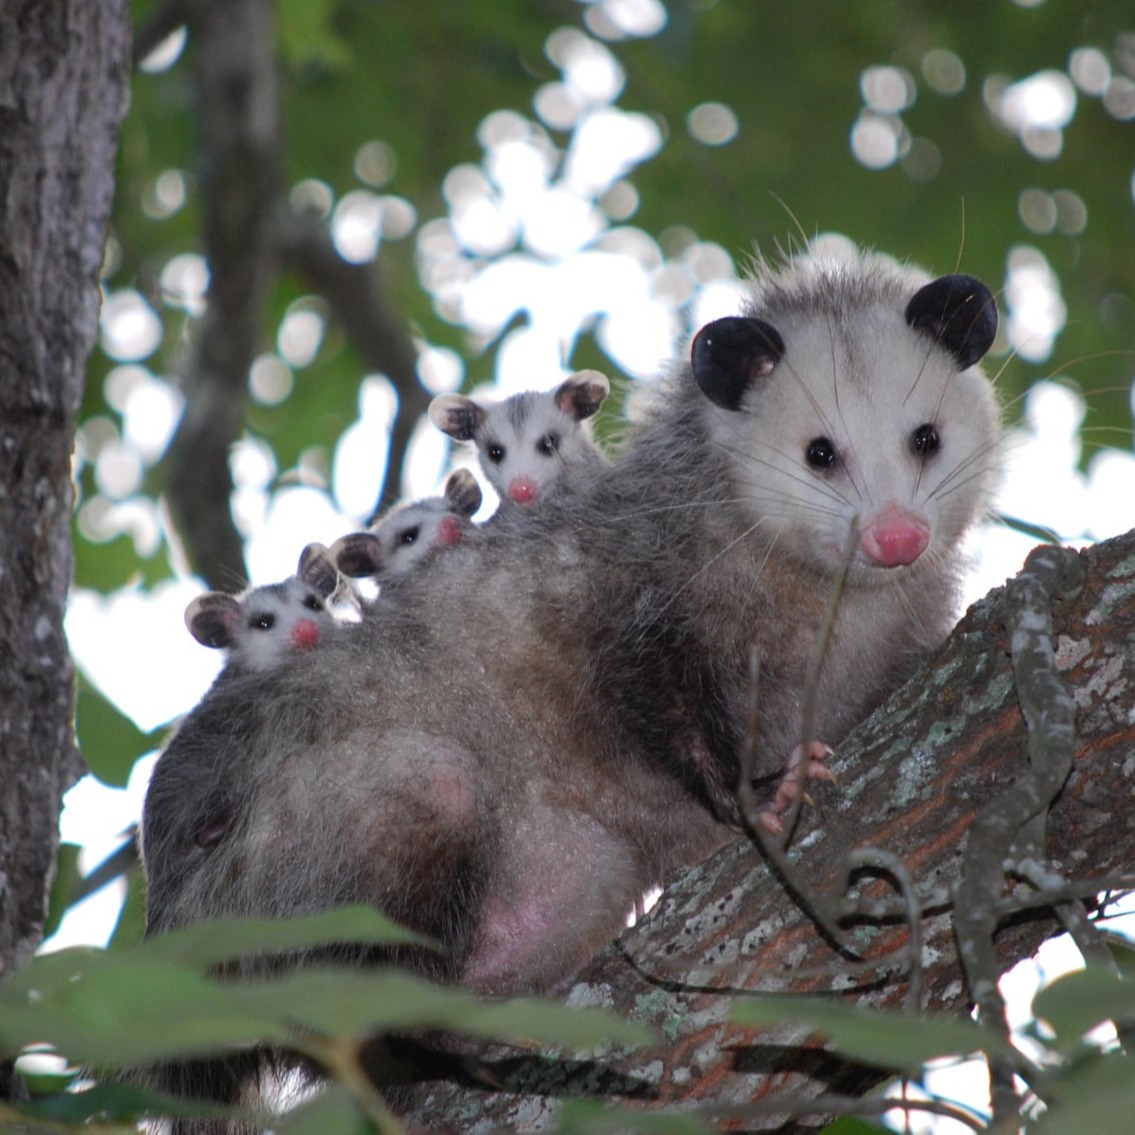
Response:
column 331, row 1110
column 111, row 1009
column 358, row 1002
column 109, row 740
column 1097, row 1097
column 226, row 939
column 890, row 1040
column 1077, row 1002
column 112, row 1102
column 853, row 1125
column 590, row 1117
column 64, row 887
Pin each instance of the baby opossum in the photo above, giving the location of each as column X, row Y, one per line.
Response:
column 407, row 536
column 549, row 721
column 532, row 444
column 260, row 626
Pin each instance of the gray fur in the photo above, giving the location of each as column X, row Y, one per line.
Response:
column 515, row 745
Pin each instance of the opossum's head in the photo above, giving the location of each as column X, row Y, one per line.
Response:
column 852, row 394
column 409, row 535
column 262, row 626
column 528, row 444
column 259, row 627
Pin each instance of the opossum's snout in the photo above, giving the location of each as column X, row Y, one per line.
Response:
column 449, row 531
column 305, row 634
column 895, row 537
column 523, row 490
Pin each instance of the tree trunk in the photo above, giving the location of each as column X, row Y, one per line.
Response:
column 64, row 69
column 911, row 780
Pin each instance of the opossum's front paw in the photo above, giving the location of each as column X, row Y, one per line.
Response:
column 805, row 763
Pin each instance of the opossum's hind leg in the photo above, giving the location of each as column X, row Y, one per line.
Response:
column 805, row 763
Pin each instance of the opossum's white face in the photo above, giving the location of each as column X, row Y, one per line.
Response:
column 276, row 620
column 528, row 446
column 263, row 626
column 409, row 536
column 865, row 419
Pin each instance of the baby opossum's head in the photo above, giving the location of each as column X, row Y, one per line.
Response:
column 529, row 444
column 851, row 393
column 260, row 627
column 410, row 534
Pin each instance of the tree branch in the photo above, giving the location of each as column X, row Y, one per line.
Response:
column 911, row 780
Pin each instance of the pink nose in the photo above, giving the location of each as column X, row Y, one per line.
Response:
column 449, row 531
column 523, row 490
column 894, row 538
column 305, row 634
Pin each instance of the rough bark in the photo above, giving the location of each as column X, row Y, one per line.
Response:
column 911, row 781
column 63, row 90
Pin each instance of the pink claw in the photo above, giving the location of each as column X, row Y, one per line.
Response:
column 805, row 762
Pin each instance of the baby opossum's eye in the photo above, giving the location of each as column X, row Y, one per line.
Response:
column 548, row 444
column 495, row 453
column 410, row 535
column 264, row 622
column 820, row 453
column 924, row 441
column 313, row 602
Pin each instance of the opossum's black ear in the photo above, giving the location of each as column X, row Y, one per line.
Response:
column 728, row 354
column 582, row 394
column 317, row 570
column 357, row 555
column 462, row 492
column 212, row 618
column 456, row 415
column 957, row 311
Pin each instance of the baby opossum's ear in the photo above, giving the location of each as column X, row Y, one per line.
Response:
column 357, row 555
column 212, row 618
column 957, row 311
column 728, row 354
column 582, row 394
column 462, row 492
column 456, row 415
column 317, row 570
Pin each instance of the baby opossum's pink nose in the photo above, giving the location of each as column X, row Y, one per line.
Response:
column 894, row 538
column 523, row 490
column 305, row 634
column 449, row 531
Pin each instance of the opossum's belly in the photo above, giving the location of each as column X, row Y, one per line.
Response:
column 565, row 888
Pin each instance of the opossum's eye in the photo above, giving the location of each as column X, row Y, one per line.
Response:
column 548, row 444
column 495, row 453
column 924, row 441
column 313, row 602
column 820, row 453
column 410, row 535
column 262, row 622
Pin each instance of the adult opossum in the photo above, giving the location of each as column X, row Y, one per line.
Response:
column 513, row 746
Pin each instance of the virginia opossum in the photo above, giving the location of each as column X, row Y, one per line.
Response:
column 410, row 534
column 529, row 735
column 532, row 444
column 259, row 627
